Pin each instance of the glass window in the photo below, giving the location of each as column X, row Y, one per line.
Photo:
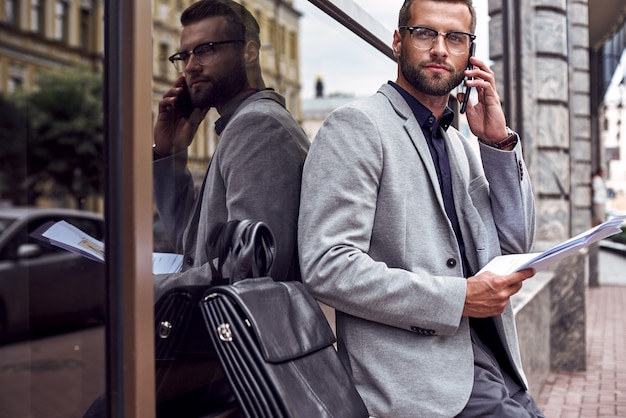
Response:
column 37, row 16
column 61, row 27
column 15, row 84
column 85, row 27
column 164, row 64
column 10, row 12
column 52, row 301
column 51, row 159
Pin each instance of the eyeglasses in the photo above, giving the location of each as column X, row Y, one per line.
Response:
column 203, row 54
column 424, row 38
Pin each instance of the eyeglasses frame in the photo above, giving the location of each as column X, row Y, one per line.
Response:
column 174, row 58
column 444, row 34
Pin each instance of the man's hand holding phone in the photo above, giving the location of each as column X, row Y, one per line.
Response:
column 178, row 120
column 485, row 117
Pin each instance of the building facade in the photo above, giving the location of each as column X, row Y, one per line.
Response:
column 41, row 35
column 278, row 21
column 545, row 57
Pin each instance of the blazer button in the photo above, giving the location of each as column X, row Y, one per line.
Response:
column 451, row 263
column 189, row 261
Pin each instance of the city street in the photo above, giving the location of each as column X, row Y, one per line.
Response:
column 600, row 391
column 56, row 377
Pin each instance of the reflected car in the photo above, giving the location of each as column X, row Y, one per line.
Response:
column 45, row 290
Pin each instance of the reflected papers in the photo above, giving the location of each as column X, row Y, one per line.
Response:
column 67, row 236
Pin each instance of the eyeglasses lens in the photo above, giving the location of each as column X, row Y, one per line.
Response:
column 456, row 42
column 202, row 54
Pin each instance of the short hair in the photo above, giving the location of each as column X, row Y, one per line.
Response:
column 405, row 12
column 242, row 24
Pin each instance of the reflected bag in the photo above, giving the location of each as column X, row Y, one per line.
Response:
column 238, row 250
column 184, row 355
column 189, row 375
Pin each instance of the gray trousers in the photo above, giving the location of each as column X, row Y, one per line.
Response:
column 496, row 393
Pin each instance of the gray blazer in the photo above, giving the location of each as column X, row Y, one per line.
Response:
column 375, row 243
column 255, row 174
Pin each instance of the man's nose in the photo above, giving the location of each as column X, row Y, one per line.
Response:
column 439, row 47
column 192, row 64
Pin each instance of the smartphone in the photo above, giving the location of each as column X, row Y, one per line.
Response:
column 467, row 88
column 183, row 102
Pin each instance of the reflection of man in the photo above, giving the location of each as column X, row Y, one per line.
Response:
column 254, row 173
column 404, row 218
column 599, row 197
column 256, row 169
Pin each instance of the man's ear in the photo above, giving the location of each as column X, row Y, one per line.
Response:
column 251, row 52
column 397, row 43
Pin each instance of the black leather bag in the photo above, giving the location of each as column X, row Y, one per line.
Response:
column 240, row 249
column 276, row 348
column 271, row 338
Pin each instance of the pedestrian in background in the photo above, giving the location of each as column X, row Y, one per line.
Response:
column 599, row 197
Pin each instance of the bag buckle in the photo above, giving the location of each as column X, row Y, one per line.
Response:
column 165, row 328
column 224, row 332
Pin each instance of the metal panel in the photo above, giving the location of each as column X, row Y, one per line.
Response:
column 128, row 208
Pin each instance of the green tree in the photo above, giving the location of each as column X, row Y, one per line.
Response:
column 13, row 134
column 66, row 139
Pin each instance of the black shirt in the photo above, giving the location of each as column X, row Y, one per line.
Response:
column 433, row 132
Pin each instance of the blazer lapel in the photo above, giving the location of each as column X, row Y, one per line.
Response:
column 416, row 136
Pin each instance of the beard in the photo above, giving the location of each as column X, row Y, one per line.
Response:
column 222, row 88
column 431, row 84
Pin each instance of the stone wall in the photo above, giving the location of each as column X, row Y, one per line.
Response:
column 532, row 318
column 540, row 51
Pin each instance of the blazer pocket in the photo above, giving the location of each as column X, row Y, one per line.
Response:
column 479, row 195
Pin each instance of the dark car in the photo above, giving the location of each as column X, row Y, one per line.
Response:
column 45, row 290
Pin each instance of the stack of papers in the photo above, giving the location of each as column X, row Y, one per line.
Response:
column 507, row 264
column 67, row 236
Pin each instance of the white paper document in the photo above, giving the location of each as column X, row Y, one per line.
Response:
column 70, row 238
column 507, row 264
column 67, row 236
column 163, row 263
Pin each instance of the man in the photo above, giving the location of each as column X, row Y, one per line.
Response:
column 599, row 197
column 256, row 170
column 399, row 213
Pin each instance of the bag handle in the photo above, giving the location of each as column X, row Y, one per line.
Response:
column 240, row 249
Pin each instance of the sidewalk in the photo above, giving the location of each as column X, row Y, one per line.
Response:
column 600, row 391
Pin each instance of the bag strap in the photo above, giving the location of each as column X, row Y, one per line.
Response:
column 240, row 249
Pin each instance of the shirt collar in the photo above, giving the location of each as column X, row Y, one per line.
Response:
column 221, row 123
column 425, row 117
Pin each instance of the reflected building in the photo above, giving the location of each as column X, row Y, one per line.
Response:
column 279, row 24
column 316, row 109
column 41, row 35
column 38, row 35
